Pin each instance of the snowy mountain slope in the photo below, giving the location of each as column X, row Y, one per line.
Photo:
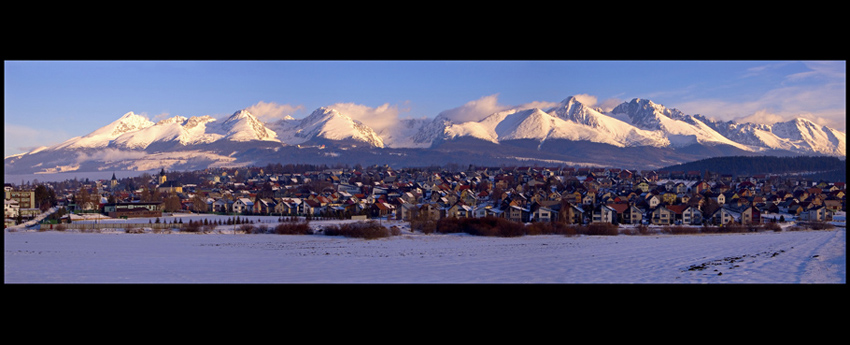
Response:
column 807, row 135
column 680, row 129
column 329, row 124
column 538, row 125
column 403, row 133
column 606, row 126
column 177, row 129
column 242, row 126
column 103, row 136
column 798, row 135
column 567, row 132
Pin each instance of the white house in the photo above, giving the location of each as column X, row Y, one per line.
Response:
column 692, row 215
column 545, row 214
column 724, row 216
column 818, row 213
column 243, row 205
column 604, row 214
column 10, row 206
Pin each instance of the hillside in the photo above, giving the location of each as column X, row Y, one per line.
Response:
column 831, row 168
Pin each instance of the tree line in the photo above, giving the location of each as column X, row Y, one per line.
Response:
column 750, row 165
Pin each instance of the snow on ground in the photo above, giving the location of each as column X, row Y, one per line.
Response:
column 113, row 256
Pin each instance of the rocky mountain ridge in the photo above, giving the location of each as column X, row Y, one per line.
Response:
column 562, row 134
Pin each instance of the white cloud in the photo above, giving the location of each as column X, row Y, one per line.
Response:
column 271, row 111
column 475, row 110
column 20, row 139
column 543, row 105
column 763, row 117
column 110, row 155
column 610, row 104
column 378, row 118
column 157, row 118
column 586, row 99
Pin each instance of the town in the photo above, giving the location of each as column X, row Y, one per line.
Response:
column 567, row 195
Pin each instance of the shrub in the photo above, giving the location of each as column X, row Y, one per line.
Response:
column 544, row 228
column 191, row 226
column 292, row 228
column 629, row 231
column 60, row 227
column 773, row 226
column 731, row 228
column 708, row 229
column 395, row 231
column 364, row 229
column 680, row 230
column 816, row 225
column 420, row 221
column 486, row 226
column 603, row 229
column 209, row 227
column 643, row 229
column 246, row 228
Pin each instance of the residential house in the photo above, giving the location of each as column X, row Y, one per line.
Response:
column 652, row 200
column 428, row 211
column 480, row 210
column 223, row 206
column 623, row 212
column 264, row 206
column 643, row 186
column 603, row 214
column 518, row 214
column 833, row 205
column 243, row 205
column 750, row 215
column 678, row 210
column 380, row 209
column 692, row 215
column 725, row 215
column 702, row 187
column 311, row 207
column 547, row 213
column 669, row 198
column 11, row 208
column 817, row 213
column 662, row 216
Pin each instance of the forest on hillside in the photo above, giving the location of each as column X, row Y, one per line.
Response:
column 813, row 167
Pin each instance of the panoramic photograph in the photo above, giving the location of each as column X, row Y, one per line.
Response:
column 425, row 172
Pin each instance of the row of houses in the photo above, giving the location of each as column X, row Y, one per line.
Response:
column 523, row 194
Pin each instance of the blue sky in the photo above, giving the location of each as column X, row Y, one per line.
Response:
column 47, row 102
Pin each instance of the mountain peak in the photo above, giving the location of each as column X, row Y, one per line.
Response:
column 127, row 123
column 331, row 124
column 574, row 110
column 242, row 126
column 645, row 114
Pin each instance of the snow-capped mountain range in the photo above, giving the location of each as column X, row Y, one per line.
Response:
column 637, row 124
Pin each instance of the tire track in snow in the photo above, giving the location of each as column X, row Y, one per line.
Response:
column 827, row 260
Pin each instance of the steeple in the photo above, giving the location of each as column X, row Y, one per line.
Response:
column 162, row 177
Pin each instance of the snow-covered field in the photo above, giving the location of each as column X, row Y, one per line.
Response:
column 113, row 256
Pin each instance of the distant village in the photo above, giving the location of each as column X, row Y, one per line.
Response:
column 572, row 195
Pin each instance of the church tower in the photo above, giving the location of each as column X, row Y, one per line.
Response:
column 162, row 177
